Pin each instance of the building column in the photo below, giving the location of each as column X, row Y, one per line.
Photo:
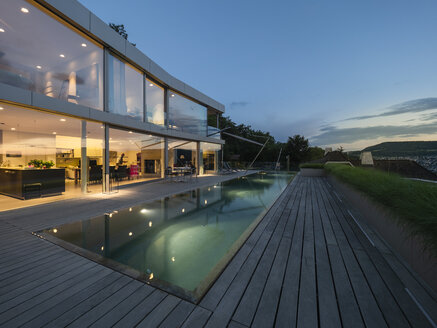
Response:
column 199, row 161
column 164, row 156
column 105, row 166
column 83, row 161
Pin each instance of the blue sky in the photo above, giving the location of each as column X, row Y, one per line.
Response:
column 311, row 67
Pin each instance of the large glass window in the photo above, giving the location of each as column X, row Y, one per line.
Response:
column 134, row 156
column 41, row 54
column 186, row 115
column 182, row 153
column 125, row 89
column 154, row 103
column 211, row 155
column 47, row 151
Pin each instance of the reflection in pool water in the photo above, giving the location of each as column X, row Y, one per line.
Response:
column 180, row 239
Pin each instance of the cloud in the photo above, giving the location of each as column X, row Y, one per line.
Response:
column 350, row 135
column 236, row 104
column 411, row 106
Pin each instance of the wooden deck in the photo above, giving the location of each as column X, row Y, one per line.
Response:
column 309, row 263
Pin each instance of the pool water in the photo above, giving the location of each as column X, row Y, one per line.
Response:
column 179, row 243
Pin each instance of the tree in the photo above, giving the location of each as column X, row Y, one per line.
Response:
column 297, row 148
column 120, row 29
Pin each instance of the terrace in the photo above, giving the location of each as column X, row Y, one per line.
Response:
column 307, row 263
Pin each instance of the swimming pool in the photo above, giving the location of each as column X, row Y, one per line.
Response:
column 179, row 243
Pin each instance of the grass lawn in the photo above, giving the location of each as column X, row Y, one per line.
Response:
column 413, row 202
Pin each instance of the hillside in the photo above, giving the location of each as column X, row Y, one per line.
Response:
column 404, row 149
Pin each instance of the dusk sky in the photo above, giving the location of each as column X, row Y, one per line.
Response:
column 349, row 73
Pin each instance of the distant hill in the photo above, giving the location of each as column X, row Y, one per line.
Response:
column 404, row 149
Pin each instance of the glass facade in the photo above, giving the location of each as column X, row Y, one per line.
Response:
column 125, row 89
column 186, row 115
column 39, row 53
column 182, row 153
column 48, row 150
column 211, row 157
column 134, row 155
column 154, row 103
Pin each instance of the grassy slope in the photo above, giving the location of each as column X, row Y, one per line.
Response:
column 413, row 202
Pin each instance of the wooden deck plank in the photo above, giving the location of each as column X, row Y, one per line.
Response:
column 367, row 303
column 66, row 316
column 288, row 303
column 59, row 296
column 158, row 315
column 62, row 307
column 142, row 309
column 34, row 281
column 123, row 308
column 348, row 306
column 42, row 290
column 307, row 292
column 177, row 317
column 197, row 318
column 249, row 302
column 22, row 303
column 329, row 315
column 229, row 302
column 384, row 279
column 107, row 305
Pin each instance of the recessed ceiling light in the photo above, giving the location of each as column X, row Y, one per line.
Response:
column 62, row 55
column 151, row 84
column 53, row 132
column 172, row 95
column 24, row 10
column 62, row 119
column 38, row 67
column 13, row 129
column 2, row 30
column 83, row 45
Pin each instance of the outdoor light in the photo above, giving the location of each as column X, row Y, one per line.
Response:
column 151, row 276
column 102, row 248
column 150, row 223
column 62, row 55
column 130, row 209
column 2, row 30
column 24, row 10
column 110, row 215
column 130, row 234
column 183, row 210
column 206, row 201
column 55, row 230
column 38, row 67
column 83, row 45
column 143, row 211
column 173, row 259
column 209, row 189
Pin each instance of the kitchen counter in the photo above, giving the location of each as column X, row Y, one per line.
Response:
column 25, row 183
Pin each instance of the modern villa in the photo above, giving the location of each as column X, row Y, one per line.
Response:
column 118, row 210
column 73, row 91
